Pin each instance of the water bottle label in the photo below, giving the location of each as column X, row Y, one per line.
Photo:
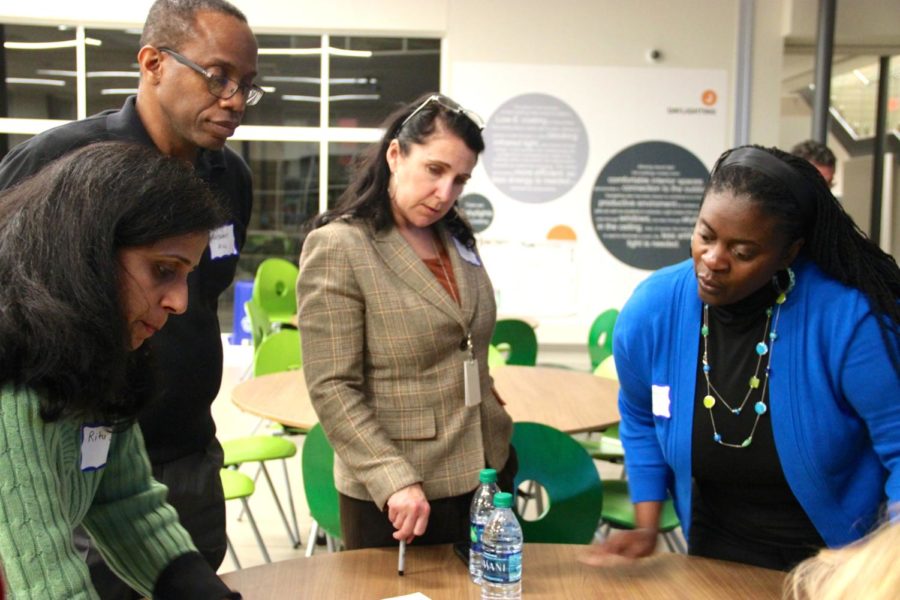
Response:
column 502, row 567
column 476, row 530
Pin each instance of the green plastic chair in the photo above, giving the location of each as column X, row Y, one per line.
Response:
column 562, row 467
column 274, row 289
column 238, row 486
column 600, row 337
column 618, row 512
column 321, row 495
column 260, row 326
column 260, row 449
column 279, row 351
column 518, row 336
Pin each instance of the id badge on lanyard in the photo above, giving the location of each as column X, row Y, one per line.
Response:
column 470, row 375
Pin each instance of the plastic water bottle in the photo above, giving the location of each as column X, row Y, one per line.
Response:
column 479, row 513
column 502, row 553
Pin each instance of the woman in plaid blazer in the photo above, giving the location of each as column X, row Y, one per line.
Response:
column 393, row 302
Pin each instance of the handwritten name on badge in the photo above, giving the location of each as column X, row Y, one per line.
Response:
column 221, row 242
column 95, row 441
column 661, row 401
column 467, row 255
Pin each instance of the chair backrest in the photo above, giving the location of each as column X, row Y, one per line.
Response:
column 520, row 338
column 259, row 322
column 279, row 351
column 607, row 368
column 274, row 288
column 600, row 337
column 568, row 474
column 318, row 481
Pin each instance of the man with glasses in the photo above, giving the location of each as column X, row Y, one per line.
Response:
column 198, row 60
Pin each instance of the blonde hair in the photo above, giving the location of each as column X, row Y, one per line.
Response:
column 867, row 568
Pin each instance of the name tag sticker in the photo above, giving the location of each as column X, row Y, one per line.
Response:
column 95, row 440
column 467, row 255
column 661, row 401
column 221, row 242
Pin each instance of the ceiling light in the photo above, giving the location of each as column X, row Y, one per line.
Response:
column 36, row 81
column 49, row 45
column 118, row 91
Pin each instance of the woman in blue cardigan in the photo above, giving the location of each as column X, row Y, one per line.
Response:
column 760, row 380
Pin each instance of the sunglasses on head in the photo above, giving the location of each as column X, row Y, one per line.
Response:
column 449, row 104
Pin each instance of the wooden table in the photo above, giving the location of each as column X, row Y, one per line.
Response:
column 549, row 571
column 571, row 401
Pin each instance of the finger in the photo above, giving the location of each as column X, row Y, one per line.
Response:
column 421, row 523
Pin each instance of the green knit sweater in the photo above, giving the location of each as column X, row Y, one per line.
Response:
column 45, row 493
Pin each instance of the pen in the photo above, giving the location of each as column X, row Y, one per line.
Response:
column 401, row 558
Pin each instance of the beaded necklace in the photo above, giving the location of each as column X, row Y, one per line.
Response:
column 762, row 348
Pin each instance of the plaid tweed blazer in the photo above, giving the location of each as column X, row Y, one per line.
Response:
column 383, row 361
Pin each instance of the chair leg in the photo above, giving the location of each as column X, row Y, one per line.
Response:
column 287, row 525
column 259, row 540
column 240, row 516
column 290, row 499
column 311, row 540
column 331, row 543
column 232, row 553
column 674, row 542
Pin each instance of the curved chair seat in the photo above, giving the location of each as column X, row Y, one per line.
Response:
column 565, row 471
column 274, row 289
column 518, row 337
column 601, row 335
column 257, row 448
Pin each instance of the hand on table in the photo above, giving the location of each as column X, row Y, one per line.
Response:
column 621, row 548
column 408, row 511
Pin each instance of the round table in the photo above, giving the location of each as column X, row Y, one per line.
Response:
column 571, row 401
column 549, row 571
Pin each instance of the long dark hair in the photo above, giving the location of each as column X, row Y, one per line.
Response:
column 62, row 329
column 831, row 238
column 367, row 196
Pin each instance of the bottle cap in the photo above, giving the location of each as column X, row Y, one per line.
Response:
column 488, row 476
column 502, row 500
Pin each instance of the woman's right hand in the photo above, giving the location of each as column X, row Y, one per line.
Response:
column 620, row 548
column 408, row 512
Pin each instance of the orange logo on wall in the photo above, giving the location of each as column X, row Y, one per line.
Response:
column 561, row 232
column 709, row 97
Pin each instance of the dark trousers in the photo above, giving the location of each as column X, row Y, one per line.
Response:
column 363, row 525
column 195, row 490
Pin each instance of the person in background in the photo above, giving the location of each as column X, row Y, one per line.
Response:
column 95, row 252
column 759, row 379
column 396, row 313
column 198, row 59
column 864, row 569
column 820, row 156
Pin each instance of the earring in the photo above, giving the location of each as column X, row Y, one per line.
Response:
column 776, row 281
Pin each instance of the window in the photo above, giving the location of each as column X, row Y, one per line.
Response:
column 325, row 98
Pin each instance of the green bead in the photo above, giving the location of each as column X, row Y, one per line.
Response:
column 746, row 442
column 709, row 401
column 754, row 382
column 704, row 331
column 781, row 298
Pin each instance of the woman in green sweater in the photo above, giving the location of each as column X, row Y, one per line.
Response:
column 95, row 252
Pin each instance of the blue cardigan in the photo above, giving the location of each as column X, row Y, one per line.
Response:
column 834, row 398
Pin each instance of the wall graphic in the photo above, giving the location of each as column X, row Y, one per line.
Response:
column 593, row 176
column 645, row 202
column 536, row 148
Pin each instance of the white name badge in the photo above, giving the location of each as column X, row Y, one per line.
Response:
column 472, row 382
column 221, row 242
column 467, row 255
column 95, row 441
column 661, row 401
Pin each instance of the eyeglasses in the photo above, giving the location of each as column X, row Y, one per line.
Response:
column 450, row 105
column 220, row 86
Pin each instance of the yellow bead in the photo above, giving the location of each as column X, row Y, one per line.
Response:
column 754, row 382
column 709, row 401
column 781, row 298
